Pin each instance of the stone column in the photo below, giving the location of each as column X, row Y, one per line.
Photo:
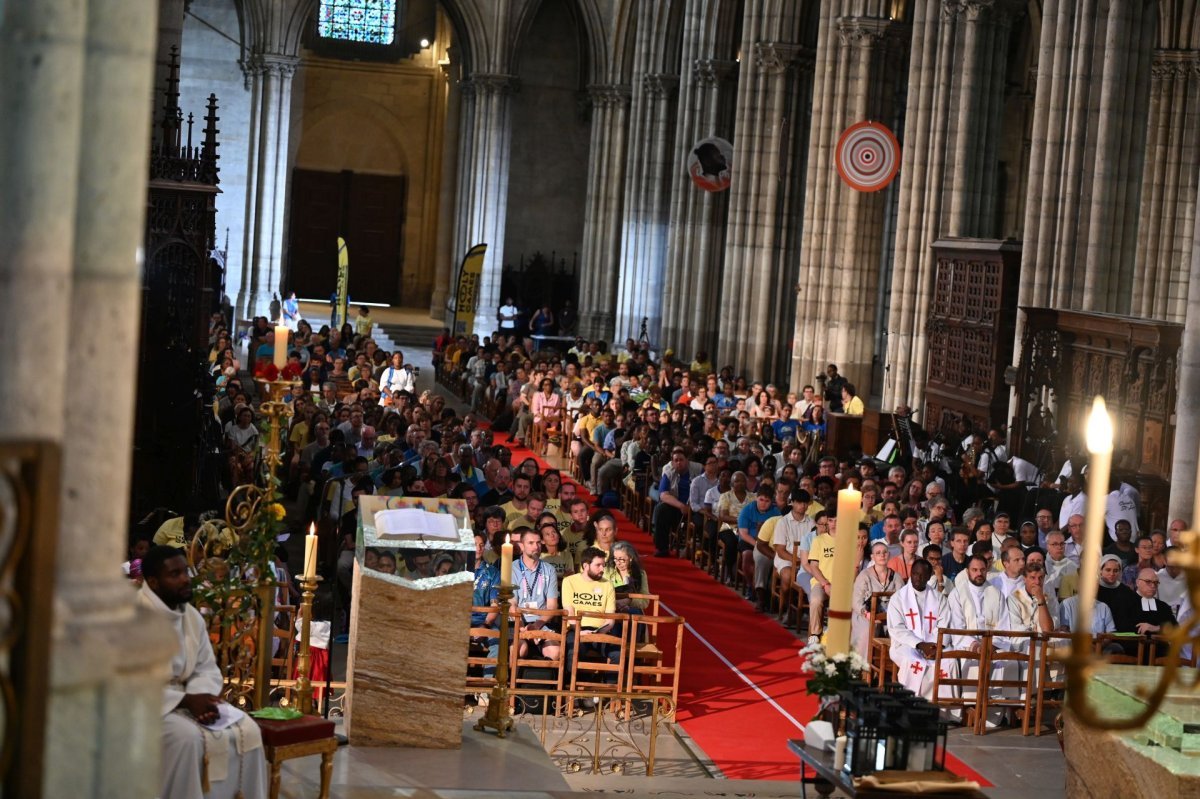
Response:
column 769, row 146
column 856, row 65
column 271, row 90
column 446, row 259
column 602, row 221
column 483, row 183
column 1187, row 403
column 692, row 284
column 1169, row 186
column 947, row 185
column 644, row 234
column 108, row 658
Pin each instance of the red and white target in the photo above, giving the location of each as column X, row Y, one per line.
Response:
column 868, row 156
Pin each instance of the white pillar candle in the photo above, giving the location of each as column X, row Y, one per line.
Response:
column 1100, row 446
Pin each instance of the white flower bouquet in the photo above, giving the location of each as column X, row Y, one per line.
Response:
column 830, row 674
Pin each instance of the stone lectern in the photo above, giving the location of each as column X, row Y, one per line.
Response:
column 407, row 662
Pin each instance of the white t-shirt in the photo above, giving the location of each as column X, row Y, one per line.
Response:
column 508, row 317
column 1121, row 504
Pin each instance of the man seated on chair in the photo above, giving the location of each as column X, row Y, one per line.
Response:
column 589, row 591
column 1012, row 560
column 975, row 604
column 231, row 761
column 914, row 616
column 535, row 586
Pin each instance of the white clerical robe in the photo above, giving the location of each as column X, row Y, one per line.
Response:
column 235, row 759
column 913, row 618
column 973, row 608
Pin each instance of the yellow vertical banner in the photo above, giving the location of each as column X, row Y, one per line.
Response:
column 466, row 296
column 343, row 283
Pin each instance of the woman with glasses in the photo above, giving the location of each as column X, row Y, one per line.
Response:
column 875, row 578
column 624, row 570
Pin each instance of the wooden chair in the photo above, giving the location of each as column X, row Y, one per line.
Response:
column 1126, row 642
column 653, row 668
column 879, row 652
column 307, row 735
column 1023, row 650
column 702, row 555
column 1159, row 642
column 964, row 657
column 518, row 676
column 1051, row 685
column 679, row 534
column 478, row 637
column 600, row 676
column 286, row 641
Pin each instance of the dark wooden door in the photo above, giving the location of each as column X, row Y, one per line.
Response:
column 366, row 210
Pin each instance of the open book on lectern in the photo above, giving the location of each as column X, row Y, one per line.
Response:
column 414, row 524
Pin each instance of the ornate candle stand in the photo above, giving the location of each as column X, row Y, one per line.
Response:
column 498, row 716
column 308, row 589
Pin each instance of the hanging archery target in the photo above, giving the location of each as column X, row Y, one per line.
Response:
column 868, row 156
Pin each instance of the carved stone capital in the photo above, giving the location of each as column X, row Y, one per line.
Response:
column 778, row 56
column 659, row 85
column 1174, row 64
column 951, row 9
column 711, row 71
column 863, row 32
column 484, row 84
column 280, row 66
column 611, row 95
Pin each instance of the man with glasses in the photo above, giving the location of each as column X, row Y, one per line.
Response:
column 1149, row 614
column 1062, row 573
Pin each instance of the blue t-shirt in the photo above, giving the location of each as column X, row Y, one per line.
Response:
column 532, row 587
column 752, row 518
column 785, row 428
column 487, row 590
column 724, row 401
column 683, row 486
column 876, row 531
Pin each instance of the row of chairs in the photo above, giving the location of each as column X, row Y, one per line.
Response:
column 649, row 650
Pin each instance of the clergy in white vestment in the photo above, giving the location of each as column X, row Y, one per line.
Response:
column 194, row 752
column 914, row 616
column 1058, row 565
column 1032, row 608
column 976, row 604
column 1010, row 579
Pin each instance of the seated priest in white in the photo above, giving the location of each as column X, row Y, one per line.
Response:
column 1032, row 608
column 203, row 756
column 978, row 605
column 914, row 615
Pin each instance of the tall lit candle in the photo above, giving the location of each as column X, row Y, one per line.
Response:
column 849, row 511
column 310, row 553
column 281, row 346
column 506, row 561
column 1100, row 447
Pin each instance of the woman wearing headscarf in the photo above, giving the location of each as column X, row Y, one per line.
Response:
column 1120, row 599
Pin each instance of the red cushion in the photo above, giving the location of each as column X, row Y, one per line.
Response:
column 294, row 731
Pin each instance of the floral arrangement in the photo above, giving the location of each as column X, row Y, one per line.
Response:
column 830, row 674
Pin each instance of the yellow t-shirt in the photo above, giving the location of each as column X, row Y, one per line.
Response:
column 170, row 533
column 766, row 533
column 822, row 553
column 562, row 562
column 299, row 435
column 588, row 425
column 854, row 407
column 579, row 594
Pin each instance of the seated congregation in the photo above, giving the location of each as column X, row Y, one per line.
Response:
column 967, row 558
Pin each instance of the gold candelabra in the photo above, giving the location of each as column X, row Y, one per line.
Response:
column 308, row 589
column 498, row 716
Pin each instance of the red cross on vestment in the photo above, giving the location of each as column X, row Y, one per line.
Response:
column 943, row 673
column 931, row 619
column 917, row 668
column 912, row 618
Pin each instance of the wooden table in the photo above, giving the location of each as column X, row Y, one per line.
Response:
column 827, row 780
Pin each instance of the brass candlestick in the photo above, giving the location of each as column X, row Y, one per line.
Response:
column 498, row 716
column 308, row 589
column 276, row 410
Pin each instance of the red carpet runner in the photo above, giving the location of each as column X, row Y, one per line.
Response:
column 741, row 693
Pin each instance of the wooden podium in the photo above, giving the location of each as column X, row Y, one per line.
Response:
column 407, row 663
column 842, row 433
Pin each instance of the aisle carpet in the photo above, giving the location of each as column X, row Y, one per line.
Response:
column 741, row 693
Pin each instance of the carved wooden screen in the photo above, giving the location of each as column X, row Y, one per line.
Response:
column 1067, row 357
column 28, row 521
column 970, row 331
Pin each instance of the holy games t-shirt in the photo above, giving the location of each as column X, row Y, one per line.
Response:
column 785, row 428
column 582, row 594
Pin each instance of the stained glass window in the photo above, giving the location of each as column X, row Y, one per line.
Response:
column 367, row 21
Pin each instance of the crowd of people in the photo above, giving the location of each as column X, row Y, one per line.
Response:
column 960, row 533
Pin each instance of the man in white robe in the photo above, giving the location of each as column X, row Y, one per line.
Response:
column 1010, row 579
column 230, row 760
column 914, row 616
column 978, row 605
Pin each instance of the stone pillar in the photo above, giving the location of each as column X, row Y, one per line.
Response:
column 268, row 168
column 1187, row 403
column 483, row 184
column 947, row 185
column 646, row 217
column 760, row 251
column 602, row 223
column 446, row 259
column 1169, row 186
column 692, row 284
column 857, row 61
column 108, row 657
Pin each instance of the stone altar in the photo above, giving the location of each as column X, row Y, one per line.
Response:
column 1161, row 759
column 407, row 662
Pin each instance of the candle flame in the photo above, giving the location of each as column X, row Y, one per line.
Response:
column 1099, row 428
column 312, row 529
column 508, row 538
